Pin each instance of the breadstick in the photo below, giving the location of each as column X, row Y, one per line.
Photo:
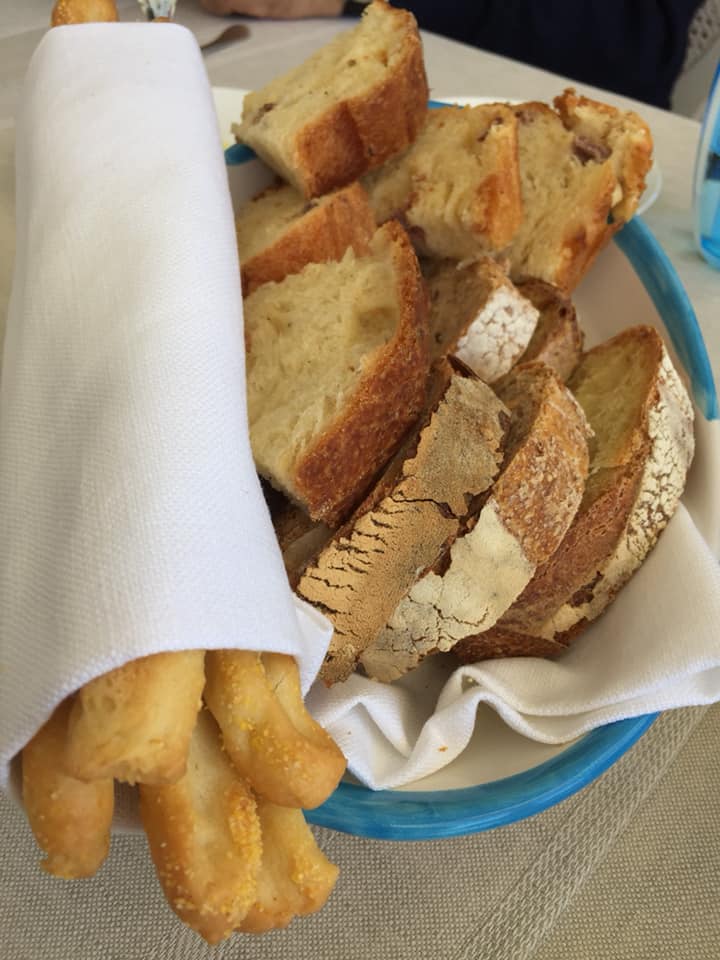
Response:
column 70, row 818
column 295, row 878
column 270, row 737
column 134, row 723
column 204, row 837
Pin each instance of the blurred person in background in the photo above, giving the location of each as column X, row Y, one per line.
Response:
column 632, row 47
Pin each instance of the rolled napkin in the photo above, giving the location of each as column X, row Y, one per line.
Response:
column 131, row 518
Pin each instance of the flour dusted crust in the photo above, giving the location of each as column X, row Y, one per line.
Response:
column 350, row 107
column 279, row 231
column 329, row 466
column 413, row 513
column 531, row 506
column 557, row 339
column 458, row 187
column 477, row 314
column 641, row 452
column 582, row 168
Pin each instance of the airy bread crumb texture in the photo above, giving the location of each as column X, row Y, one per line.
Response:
column 336, row 371
column 356, row 102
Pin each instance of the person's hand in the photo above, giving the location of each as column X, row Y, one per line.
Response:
column 276, row 9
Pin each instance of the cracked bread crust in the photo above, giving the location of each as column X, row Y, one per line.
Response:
column 635, row 483
column 413, row 513
column 531, row 506
column 477, row 314
column 318, row 148
column 299, row 232
column 557, row 339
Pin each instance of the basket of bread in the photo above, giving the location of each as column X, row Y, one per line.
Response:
column 449, row 472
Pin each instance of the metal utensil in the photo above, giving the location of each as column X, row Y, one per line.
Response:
column 237, row 31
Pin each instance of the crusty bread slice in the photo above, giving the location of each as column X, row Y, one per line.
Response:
column 458, row 187
column 336, row 372
column 279, row 231
column 412, row 514
column 640, row 454
column 557, row 339
column 531, row 506
column 351, row 106
column 477, row 314
column 623, row 133
column 580, row 182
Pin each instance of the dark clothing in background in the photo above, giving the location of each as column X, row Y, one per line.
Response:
column 632, row 47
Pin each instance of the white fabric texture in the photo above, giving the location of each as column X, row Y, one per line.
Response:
column 131, row 517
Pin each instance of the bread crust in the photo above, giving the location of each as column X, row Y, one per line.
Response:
column 531, row 506
column 412, row 514
column 557, row 339
column 335, row 472
column 632, row 491
column 322, row 232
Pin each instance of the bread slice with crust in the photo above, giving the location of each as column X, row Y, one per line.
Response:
column 530, row 508
column 457, row 188
column 351, row 106
column 416, row 509
column 581, row 180
column 477, row 314
column 557, row 339
column 641, row 451
column 279, row 231
column 336, row 372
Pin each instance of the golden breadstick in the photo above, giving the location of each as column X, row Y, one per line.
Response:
column 295, row 878
column 70, row 818
column 285, row 755
column 83, row 11
column 204, row 837
column 134, row 723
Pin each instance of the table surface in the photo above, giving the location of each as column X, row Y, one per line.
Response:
column 627, row 868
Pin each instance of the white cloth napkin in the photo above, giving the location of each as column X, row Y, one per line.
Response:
column 131, row 518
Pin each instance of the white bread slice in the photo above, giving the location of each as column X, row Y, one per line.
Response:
column 640, row 454
column 458, row 187
column 279, row 231
column 477, row 314
column 530, row 508
column 413, row 513
column 351, row 106
column 579, row 185
column 557, row 339
column 336, row 372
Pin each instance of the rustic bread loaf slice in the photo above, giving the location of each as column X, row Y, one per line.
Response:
column 530, row 508
column 458, row 187
column 557, row 339
column 580, row 183
column 623, row 133
column 279, row 231
column 477, row 314
column 412, row 514
column 351, row 106
column 640, row 454
column 336, row 372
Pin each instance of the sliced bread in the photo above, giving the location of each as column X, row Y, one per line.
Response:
column 279, row 231
column 458, row 187
column 530, row 508
column 579, row 185
column 351, row 106
column 336, row 372
column 642, row 448
column 413, row 513
column 477, row 314
column 557, row 339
